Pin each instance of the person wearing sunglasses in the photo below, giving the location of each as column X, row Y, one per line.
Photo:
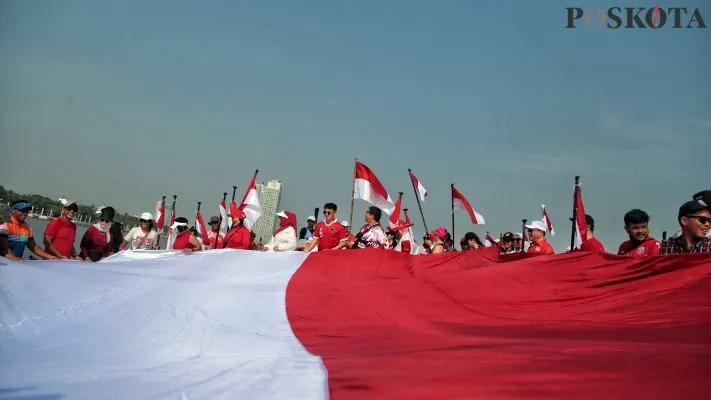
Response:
column 214, row 234
column 328, row 234
column 97, row 240
column 16, row 234
column 143, row 236
column 695, row 220
column 60, row 234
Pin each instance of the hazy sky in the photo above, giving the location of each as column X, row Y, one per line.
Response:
column 121, row 102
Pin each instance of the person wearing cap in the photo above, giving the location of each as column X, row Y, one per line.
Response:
column 308, row 231
column 404, row 243
column 640, row 243
column 214, row 234
column 371, row 234
column 537, row 233
column 695, row 221
column 329, row 234
column 590, row 243
column 16, row 234
column 143, row 236
column 185, row 240
column 116, row 231
column 438, row 237
column 507, row 243
column 97, row 240
column 284, row 237
column 238, row 237
column 705, row 196
column 60, row 234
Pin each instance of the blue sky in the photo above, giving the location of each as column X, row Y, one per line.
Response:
column 123, row 102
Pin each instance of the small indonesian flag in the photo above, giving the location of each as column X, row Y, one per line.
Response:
column 250, row 204
column 200, row 226
column 580, row 223
column 223, row 215
column 547, row 220
column 459, row 202
column 395, row 216
column 369, row 188
column 160, row 214
column 418, row 186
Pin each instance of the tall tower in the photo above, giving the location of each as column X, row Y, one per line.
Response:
column 269, row 198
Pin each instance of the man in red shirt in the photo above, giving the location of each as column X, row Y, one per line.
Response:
column 60, row 234
column 590, row 243
column 640, row 243
column 328, row 234
column 537, row 233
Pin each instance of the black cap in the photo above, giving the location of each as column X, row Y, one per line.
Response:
column 704, row 195
column 508, row 237
column 691, row 207
column 108, row 213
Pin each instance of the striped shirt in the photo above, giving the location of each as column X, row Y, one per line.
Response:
column 18, row 234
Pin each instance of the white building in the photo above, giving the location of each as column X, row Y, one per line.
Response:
column 269, row 198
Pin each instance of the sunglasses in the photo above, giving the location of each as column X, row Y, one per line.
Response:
column 214, row 223
column 26, row 210
column 327, row 213
column 702, row 220
column 145, row 221
column 105, row 220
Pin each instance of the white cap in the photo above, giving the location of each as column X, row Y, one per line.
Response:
column 536, row 225
column 311, row 218
column 281, row 214
column 344, row 223
column 66, row 202
column 146, row 216
column 177, row 224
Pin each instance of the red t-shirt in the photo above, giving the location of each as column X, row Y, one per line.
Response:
column 63, row 234
column 329, row 236
column 541, row 247
column 650, row 247
column 238, row 238
column 95, row 241
column 592, row 244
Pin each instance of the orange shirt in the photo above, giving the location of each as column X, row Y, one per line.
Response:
column 541, row 247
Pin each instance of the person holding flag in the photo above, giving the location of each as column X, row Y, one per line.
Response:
column 215, row 234
column 238, row 235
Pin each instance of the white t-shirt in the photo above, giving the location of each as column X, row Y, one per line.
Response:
column 136, row 238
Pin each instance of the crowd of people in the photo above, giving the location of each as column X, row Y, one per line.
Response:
column 106, row 237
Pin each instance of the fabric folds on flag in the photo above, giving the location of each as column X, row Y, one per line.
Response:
column 160, row 215
column 223, row 216
column 200, row 226
column 395, row 216
column 357, row 324
column 369, row 188
column 580, row 221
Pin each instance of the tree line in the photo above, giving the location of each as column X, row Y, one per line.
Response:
column 39, row 202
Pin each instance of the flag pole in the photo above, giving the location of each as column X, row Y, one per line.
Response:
column 234, row 192
column 162, row 228
column 350, row 220
column 196, row 212
column 417, row 197
column 523, row 234
column 452, row 193
column 575, row 213
column 664, row 235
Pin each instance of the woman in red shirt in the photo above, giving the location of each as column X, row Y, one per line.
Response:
column 184, row 239
column 238, row 236
column 96, row 242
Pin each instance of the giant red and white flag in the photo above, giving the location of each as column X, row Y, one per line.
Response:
column 580, row 222
column 369, row 188
column 395, row 216
column 547, row 220
column 418, row 186
column 459, row 202
column 250, row 204
column 356, row 324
